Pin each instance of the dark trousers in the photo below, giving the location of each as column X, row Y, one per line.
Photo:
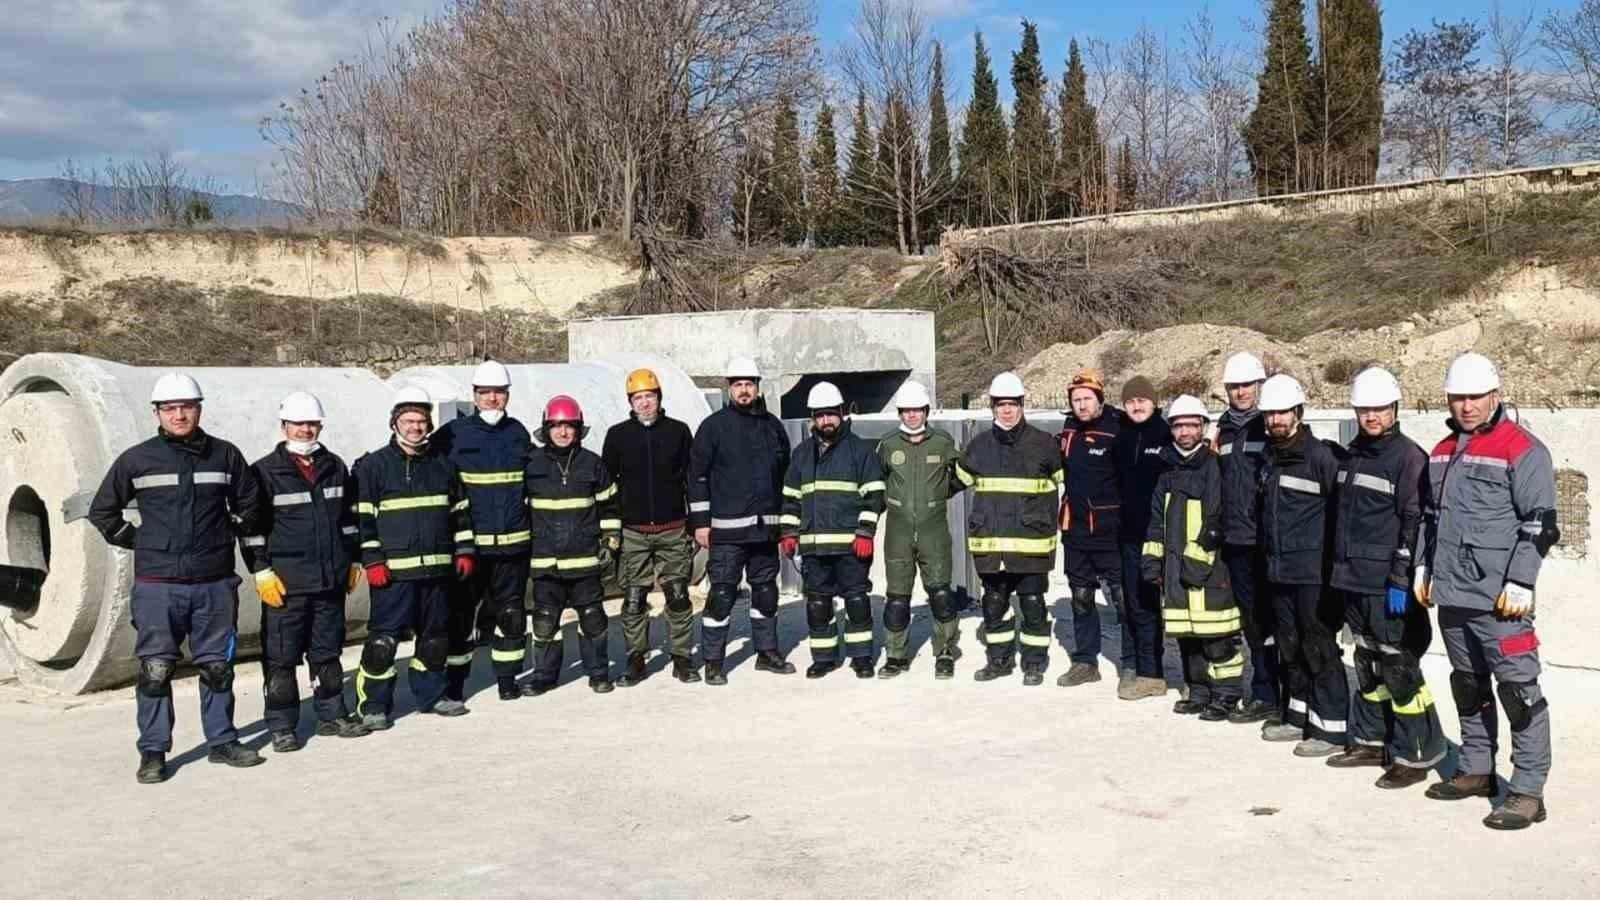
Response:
column 1213, row 668
column 824, row 578
column 551, row 596
column 421, row 608
column 1142, row 632
column 1000, row 626
column 1308, row 618
column 727, row 564
column 1393, row 707
column 1088, row 568
column 491, row 602
column 206, row 615
column 309, row 627
column 1247, row 571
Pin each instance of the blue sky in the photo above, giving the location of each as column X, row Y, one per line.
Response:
column 92, row 78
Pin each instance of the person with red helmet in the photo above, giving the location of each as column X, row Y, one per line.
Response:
column 572, row 504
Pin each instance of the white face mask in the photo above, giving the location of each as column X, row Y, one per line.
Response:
column 491, row 416
column 302, row 448
column 414, row 445
column 913, row 431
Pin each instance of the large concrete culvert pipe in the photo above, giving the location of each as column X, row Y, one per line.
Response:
column 64, row 418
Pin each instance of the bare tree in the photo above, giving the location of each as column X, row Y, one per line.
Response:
column 1512, row 119
column 1221, row 96
column 1440, row 94
column 1156, row 117
column 78, row 187
column 1573, row 41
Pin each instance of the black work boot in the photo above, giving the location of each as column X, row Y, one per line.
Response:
column 448, row 708
column 944, row 668
column 1462, row 787
column 893, row 667
column 714, row 673
column 1032, row 675
column 508, row 689
column 770, row 661
column 600, row 684
column 1398, row 777
column 862, row 666
column 1357, row 756
column 635, row 671
column 819, row 668
column 683, row 670
column 533, row 687
column 1518, row 812
column 992, row 671
column 1216, row 711
column 346, row 727
column 152, row 767
column 1253, row 711
column 1187, row 707
column 284, row 742
column 234, row 754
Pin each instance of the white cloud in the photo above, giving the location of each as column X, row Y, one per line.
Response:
column 947, row 9
column 88, row 78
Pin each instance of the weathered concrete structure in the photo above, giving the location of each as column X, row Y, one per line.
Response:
column 867, row 353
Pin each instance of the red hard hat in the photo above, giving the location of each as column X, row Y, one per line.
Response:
column 562, row 408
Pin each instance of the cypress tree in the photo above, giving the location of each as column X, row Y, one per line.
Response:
column 984, row 144
column 824, row 198
column 751, row 201
column 785, row 178
column 1081, row 183
column 1278, row 135
column 860, row 175
column 1127, row 179
column 941, row 174
column 1033, row 151
column 1347, row 92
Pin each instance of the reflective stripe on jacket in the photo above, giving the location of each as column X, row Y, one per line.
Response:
column 1379, row 510
column 490, row 459
column 736, row 472
column 1181, row 544
column 307, row 533
column 832, row 495
column 1015, row 477
column 412, row 511
column 573, row 504
column 1296, row 509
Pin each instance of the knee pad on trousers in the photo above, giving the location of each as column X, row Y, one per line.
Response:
column 896, row 613
column 1033, row 610
column 155, row 677
column 1194, row 668
column 635, row 602
column 719, row 603
column 858, row 610
column 329, row 678
column 1220, row 650
column 1368, row 668
column 995, row 605
column 1083, row 600
column 942, row 605
column 1514, row 697
column 378, row 654
column 1113, row 591
column 546, row 623
column 1321, row 654
column 677, row 595
column 1402, row 674
column 592, row 621
column 511, row 622
column 1469, row 692
column 281, row 690
column 217, row 675
column 819, row 610
column 434, row 651
column 763, row 598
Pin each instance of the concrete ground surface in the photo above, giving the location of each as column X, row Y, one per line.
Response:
column 771, row 785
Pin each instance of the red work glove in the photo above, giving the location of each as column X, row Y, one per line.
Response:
column 464, row 566
column 862, row 548
column 788, row 545
column 378, row 575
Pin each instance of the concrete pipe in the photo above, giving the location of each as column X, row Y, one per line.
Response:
column 63, row 419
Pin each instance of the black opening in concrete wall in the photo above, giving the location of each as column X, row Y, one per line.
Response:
column 865, row 392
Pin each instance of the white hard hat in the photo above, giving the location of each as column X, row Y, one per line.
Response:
column 1243, row 368
column 1006, row 386
column 491, row 374
column 175, row 386
column 1374, row 387
column 1471, row 374
column 412, row 396
column 742, row 367
column 1281, row 393
column 824, row 395
column 300, row 407
column 1187, row 406
column 912, row 395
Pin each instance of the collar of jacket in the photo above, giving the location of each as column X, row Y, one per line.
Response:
column 317, row 455
column 195, row 443
column 757, row 407
column 1369, row 446
column 478, row 421
column 661, row 414
column 1009, row 437
column 1295, row 446
column 1241, row 417
column 1108, row 415
column 426, row 450
column 838, row 438
column 569, row 451
column 1173, row 456
column 1487, row 426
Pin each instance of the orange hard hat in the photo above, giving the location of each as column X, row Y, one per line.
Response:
column 643, row 380
column 1088, row 378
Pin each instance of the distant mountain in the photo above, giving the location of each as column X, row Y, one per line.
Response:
column 39, row 200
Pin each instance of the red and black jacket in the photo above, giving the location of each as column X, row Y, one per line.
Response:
column 1091, row 508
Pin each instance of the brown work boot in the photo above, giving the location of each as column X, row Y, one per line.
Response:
column 1125, row 683
column 1357, row 756
column 1398, row 777
column 1518, row 812
column 1463, row 786
column 1080, row 673
column 1145, row 687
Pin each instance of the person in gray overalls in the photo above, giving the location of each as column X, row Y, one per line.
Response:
column 1490, row 520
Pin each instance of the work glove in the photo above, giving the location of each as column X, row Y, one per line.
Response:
column 270, row 588
column 789, row 545
column 1515, row 601
column 862, row 547
column 378, row 575
column 464, row 567
column 354, row 580
column 1422, row 586
column 1397, row 600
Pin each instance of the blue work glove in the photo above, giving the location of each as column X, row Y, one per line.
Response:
column 1397, row 600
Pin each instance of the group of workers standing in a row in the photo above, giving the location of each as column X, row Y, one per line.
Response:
column 1254, row 536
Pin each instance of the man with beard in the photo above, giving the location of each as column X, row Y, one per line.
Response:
column 1091, row 513
column 1140, row 460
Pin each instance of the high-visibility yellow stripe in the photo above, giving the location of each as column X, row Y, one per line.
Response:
column 1232, row 667
column 487, row 478
column 416, row 562
column 463, row 535
column 385, row 675
column 371, row 545
column 827, row 643
column 424, row 502
column 564, row 503
column 516, row 655
column 849, row 487
column 463, row 505
column 502, row 540
column 459, row 659
column 607, row 494
column 827, row 538
column 1035, row 640
column 1192, row 522
column 565, row 562
column 789, row 520
column 792, row 493
column 994, row 485
column 1059, row 477
column 871, row 486
column 1155, row 548
column 1035, row 546
column 1419, row 703
column 1000, row 637
column 964, row 476
column 366, row 509
column 418, row 665
column 610, row 524
column 1380, row 694
column 868, row 516
column 856, row 637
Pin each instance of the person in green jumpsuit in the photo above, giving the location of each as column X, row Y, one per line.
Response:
column 919, row 467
